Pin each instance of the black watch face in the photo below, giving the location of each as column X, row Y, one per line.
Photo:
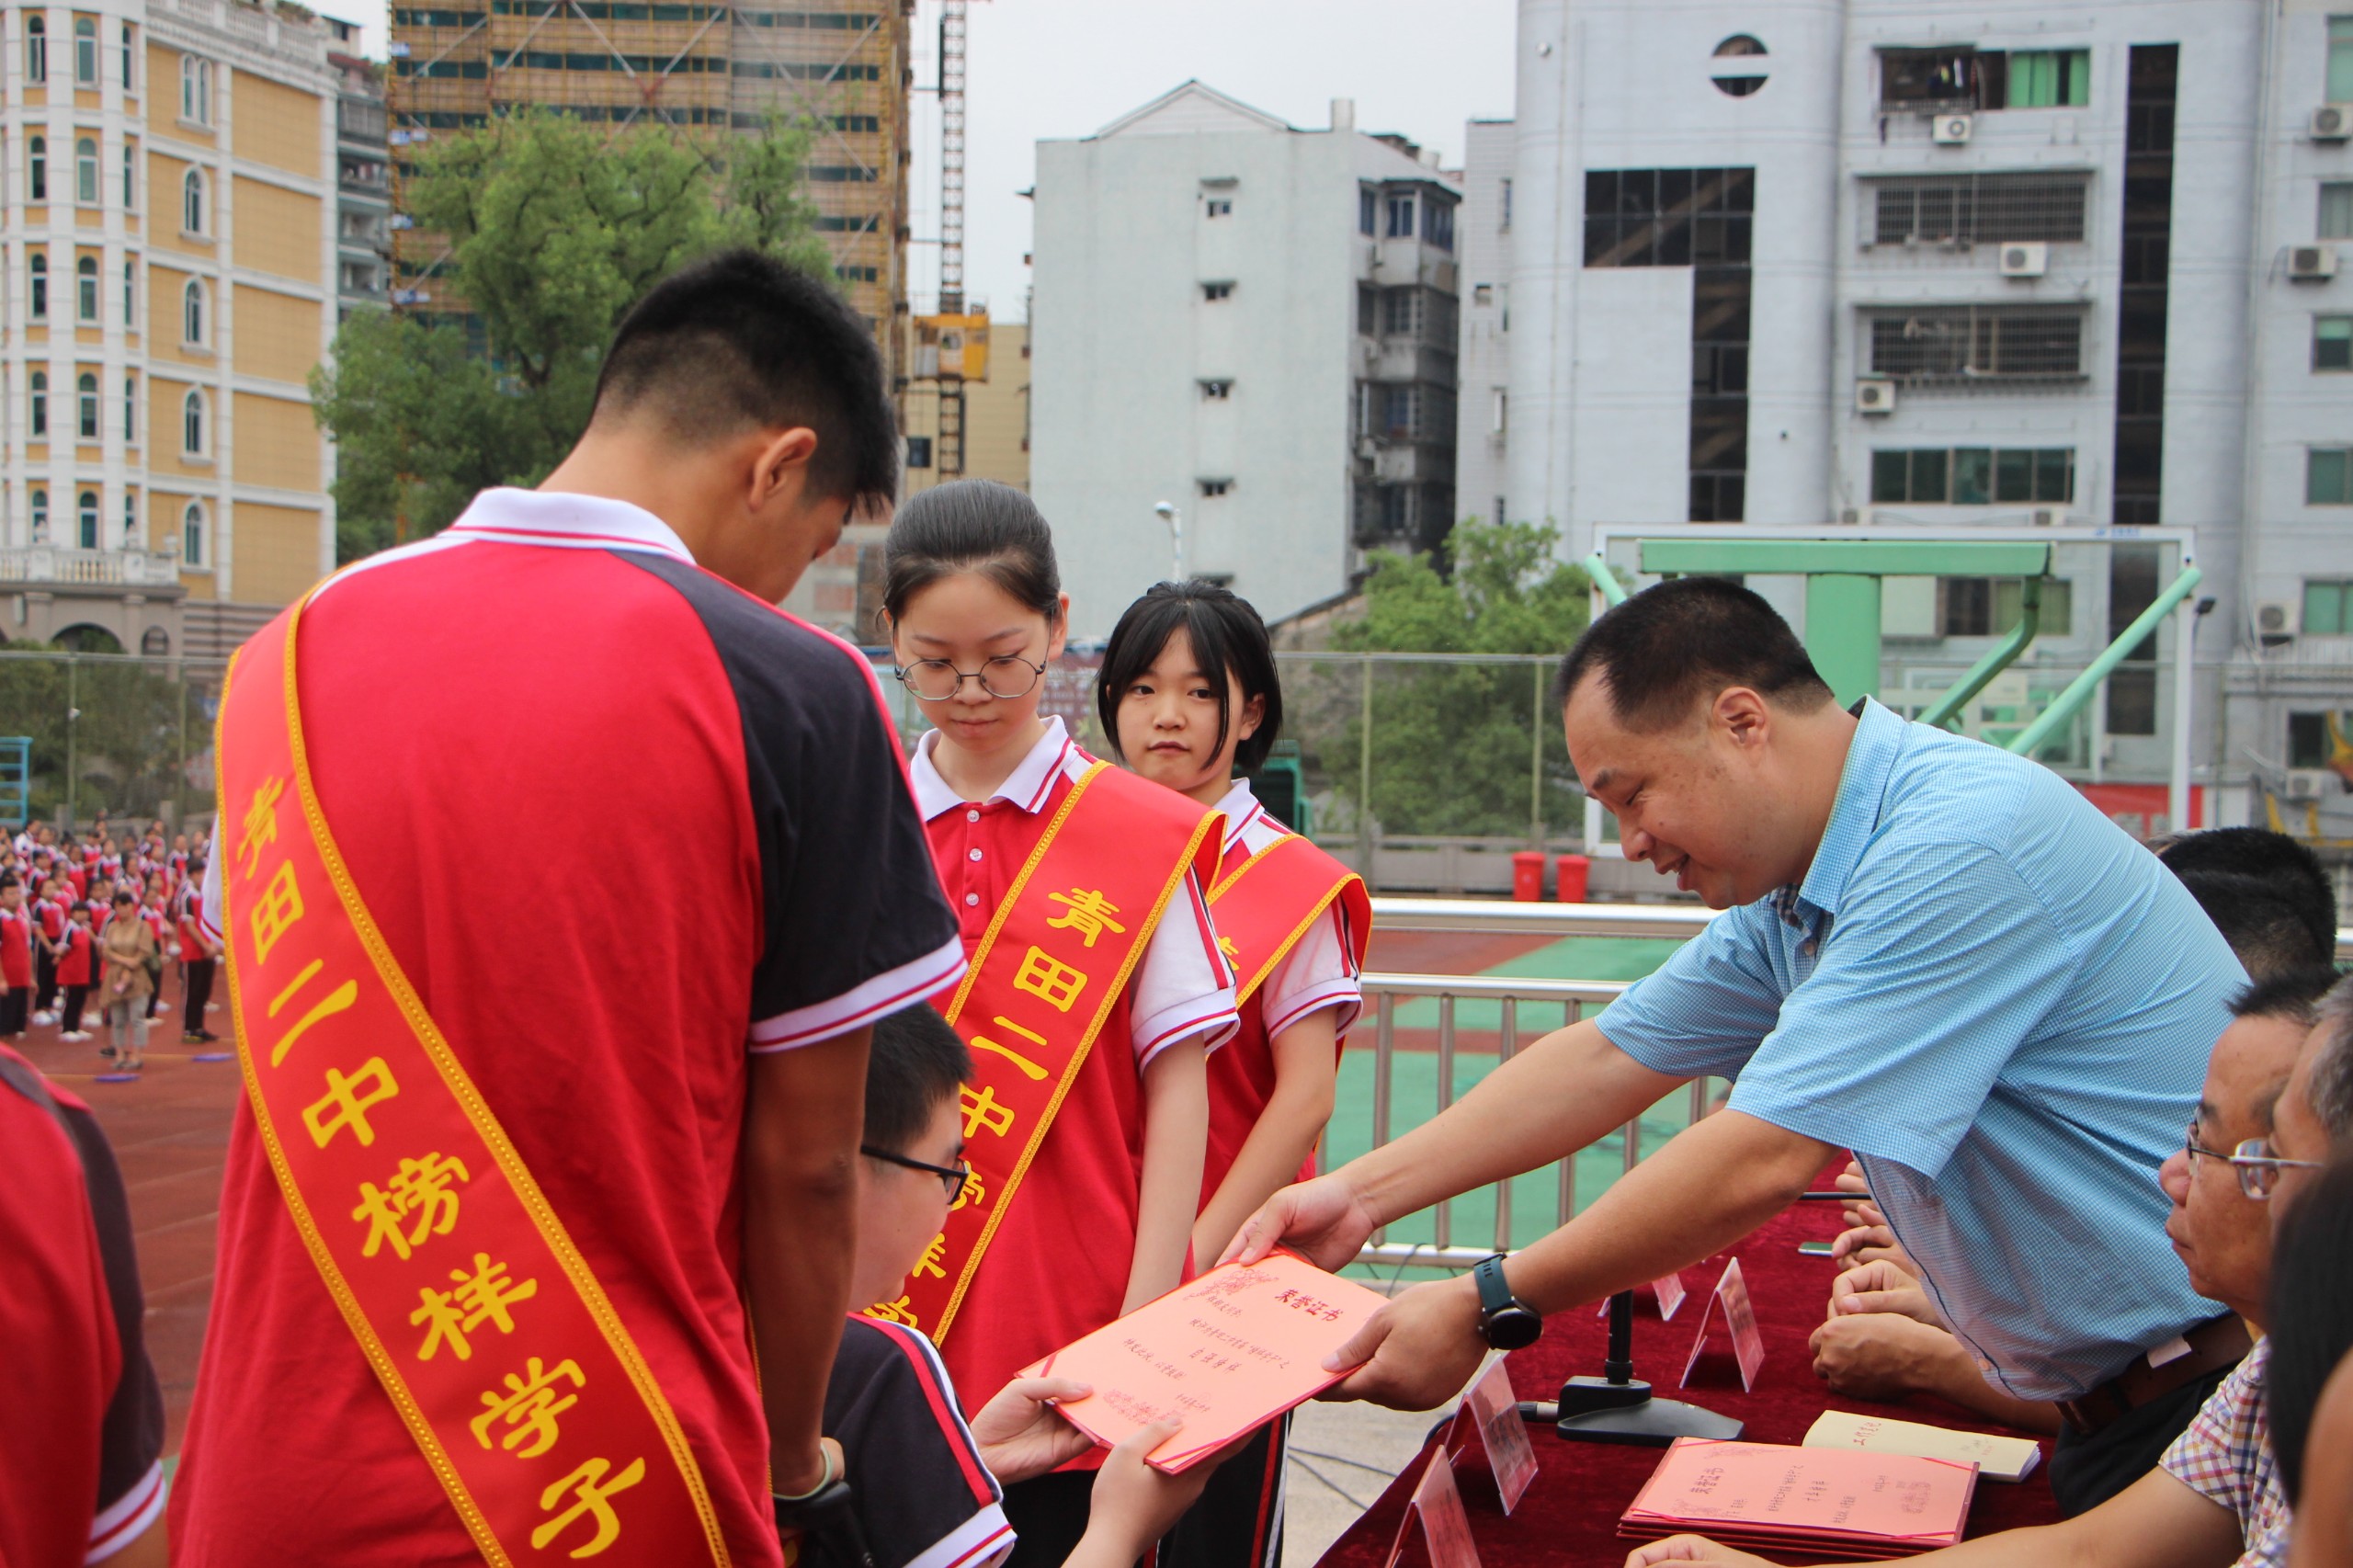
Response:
column 1510, row 1328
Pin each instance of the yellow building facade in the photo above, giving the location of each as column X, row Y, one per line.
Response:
column 169, row 231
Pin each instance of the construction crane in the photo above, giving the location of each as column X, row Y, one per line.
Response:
column 951, row 346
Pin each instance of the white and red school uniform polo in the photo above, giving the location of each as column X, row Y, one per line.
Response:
column 191, row 927
column 562, row 661
column 1058, row 1266
column 17, row 947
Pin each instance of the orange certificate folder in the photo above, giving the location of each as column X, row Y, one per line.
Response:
column 1839, row 1502
column 1227, row 1353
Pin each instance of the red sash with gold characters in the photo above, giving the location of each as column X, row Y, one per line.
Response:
column 526, row 1398
column 1043, row 982
column 1264, row 906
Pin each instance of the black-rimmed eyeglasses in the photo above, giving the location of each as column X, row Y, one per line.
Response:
column 952, row 1178
column 2256, row 1166
column 937, row 680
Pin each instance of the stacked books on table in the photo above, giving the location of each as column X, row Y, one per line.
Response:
column 1826, row 1501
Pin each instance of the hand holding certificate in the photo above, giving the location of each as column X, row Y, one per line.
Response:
column 1226, row 1353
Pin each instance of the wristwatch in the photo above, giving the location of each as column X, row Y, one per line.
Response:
column 1504, row 1321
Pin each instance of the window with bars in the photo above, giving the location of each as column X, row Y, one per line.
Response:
column 1965, row 343
column 1959, row 77
column 1979, row 208
column 1972, row 476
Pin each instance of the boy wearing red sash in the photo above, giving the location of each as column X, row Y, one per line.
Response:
column 1096, row 987
column 509, row 1213
column 1188, row 692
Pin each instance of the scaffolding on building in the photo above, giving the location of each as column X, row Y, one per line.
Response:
column 838, row 67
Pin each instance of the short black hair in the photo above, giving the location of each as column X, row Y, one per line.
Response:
column 2311, row 1314
column 915, row 1062
column 1229, row 640
column 1669, row 646
column 2259, row 917
column 124, row 895
column 2294, row 870
column 742, row 341
column 2292, row 996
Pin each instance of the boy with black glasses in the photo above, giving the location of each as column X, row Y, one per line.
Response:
column 926, row 1489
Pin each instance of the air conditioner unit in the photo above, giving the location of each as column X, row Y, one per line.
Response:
column 2332, row 122
column 2306, row 783
column 1874, row 394
column 2312, row 263
column 1951, row 130
column 2024, row 258
column 2276, row 620
column 2045, row 518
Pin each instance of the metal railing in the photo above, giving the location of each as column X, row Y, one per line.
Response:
column 1515, row 999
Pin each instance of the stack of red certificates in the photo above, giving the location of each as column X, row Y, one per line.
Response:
column 1773, row 1497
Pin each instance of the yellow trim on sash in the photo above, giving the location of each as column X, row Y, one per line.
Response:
column 1244, row 990
column 485, row 1125
column 1110, row 999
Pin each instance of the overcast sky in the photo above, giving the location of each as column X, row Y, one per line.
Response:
column 1065, row 68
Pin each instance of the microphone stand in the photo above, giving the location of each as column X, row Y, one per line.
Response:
column 1617, row 1408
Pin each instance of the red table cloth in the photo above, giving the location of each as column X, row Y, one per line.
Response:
column 1570, row 1514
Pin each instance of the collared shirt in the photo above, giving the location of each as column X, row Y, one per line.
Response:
column 892, row 1406
column 2225, row 1455
column 2004, row 1006
column 1058, row 1259
column 547, row 673
column 1182, row 986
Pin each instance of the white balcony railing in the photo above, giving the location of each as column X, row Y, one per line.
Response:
column 55, row 563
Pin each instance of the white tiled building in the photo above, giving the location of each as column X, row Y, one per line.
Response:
column 1998, row 263
column 1254, row 323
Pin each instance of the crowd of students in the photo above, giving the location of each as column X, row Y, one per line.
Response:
column 992, row 1044
column 94, row 918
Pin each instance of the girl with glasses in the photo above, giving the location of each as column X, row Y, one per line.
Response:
column 1096, row 987
column 1190, row 699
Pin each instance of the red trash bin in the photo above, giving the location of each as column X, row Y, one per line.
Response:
column 1571, row 873
column 1527, row 876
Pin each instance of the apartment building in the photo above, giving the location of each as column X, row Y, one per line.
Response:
column 363, row 185
column 170, row 263
column 1483, row 414
column 1997, row 264
column 1254, row 323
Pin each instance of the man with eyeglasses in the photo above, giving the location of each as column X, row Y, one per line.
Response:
column 2214, row 1500
column 924, row 1488
column 2315, row 1117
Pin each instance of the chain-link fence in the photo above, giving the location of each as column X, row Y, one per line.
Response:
column 115, row 733
column 1430, row 768
column 1425, row 770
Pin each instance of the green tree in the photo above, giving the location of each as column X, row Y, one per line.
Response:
column 119, row 722
column 1451, row 744
column 553, row 227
